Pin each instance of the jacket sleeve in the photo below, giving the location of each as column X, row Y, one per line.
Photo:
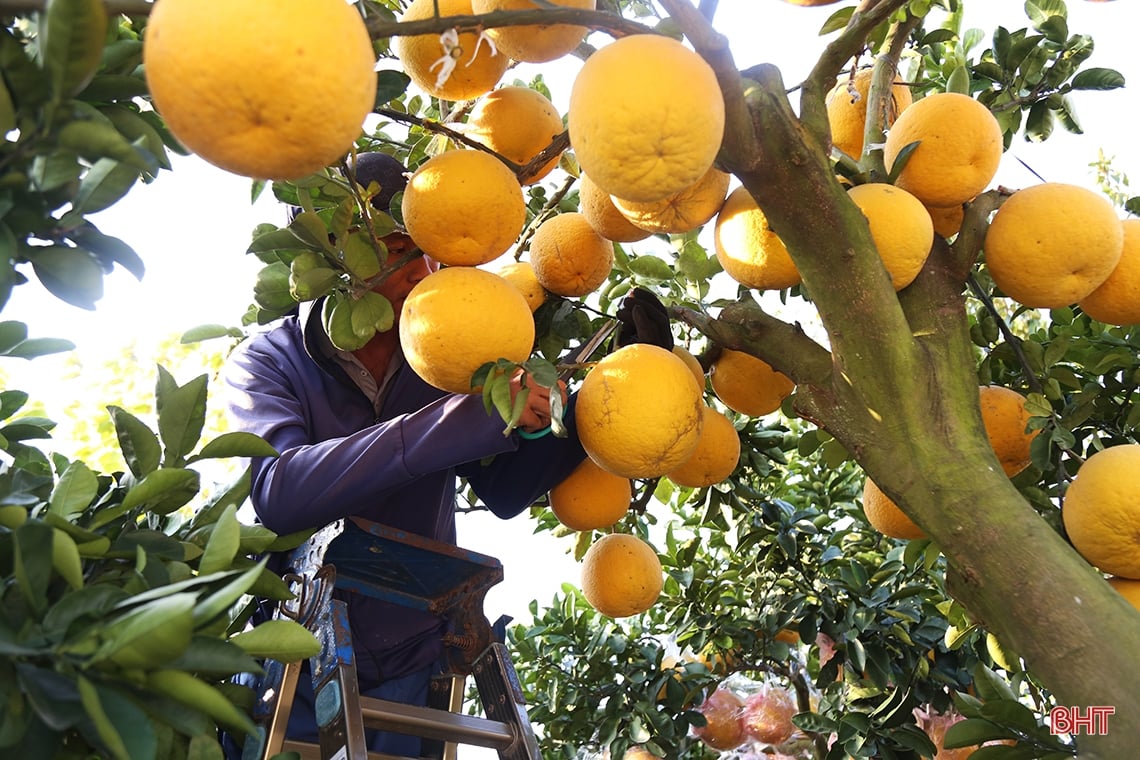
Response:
column 312, row 483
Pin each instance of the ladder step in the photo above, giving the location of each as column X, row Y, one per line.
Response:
column 309, row 751
column 431, row 723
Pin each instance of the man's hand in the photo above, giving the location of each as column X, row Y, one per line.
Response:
column 644, row 319
column 536, row 413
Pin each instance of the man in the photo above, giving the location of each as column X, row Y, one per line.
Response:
column 362, row 437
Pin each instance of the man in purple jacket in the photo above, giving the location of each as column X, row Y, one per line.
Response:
column 362, row 437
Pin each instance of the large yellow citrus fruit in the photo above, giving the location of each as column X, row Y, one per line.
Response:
column 598, row 207
column 626, row 127
column 590, row 498
column 1051, row 245
column 767, row 716
column 621, row 575
column 959, row 151
column 692, row 363
column 463, row 207
column 885, row 516
column 473, row 70
column 569, row 257
column 534, row 43
column 723, row 729
column 457, row 319
column 716, row 455
column 747, row 248
column 901, row 227
column 680, row 212
column 747, row 384
column 947, row 221
column 1128, row 588
column 1005, row 418
column 847, row 110
column 521, row 275
column 639, row 753
column 639, row 411
column 279, row 103
column 518, row 123
column 1117, row 300
column 1101, row 511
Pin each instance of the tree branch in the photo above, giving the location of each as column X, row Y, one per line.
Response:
column 615, row 25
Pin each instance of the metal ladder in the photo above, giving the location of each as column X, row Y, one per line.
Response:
column 417, row 573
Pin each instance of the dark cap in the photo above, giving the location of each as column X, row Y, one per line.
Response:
column 386, row 171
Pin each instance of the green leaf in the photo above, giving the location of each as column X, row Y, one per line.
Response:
column 104, row 185
column 132, row 725
column 208, row 332
column 135, row 128
column 271, row 290
column 210, row 656
column 161, row 491
column 11, row 402
column 140, row 446
column 98, row 140
column 12, row 333
column 360, row 257
column 651, row 268
column 181, row 415
column 70, row 274
column 283, row 239
column 223, row 544
column 237, row 444
column 282, row 640
column 221, row 600
column 109, row 737
column 31, row 561
column 372, row 313
column 108, row 249
column 972, row 731
column 30, row 349
column 390, row 84
column 1098, row 79
column 77, row 487
column 71, row 44
column 149, row 635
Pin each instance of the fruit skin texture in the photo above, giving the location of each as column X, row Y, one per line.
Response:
column 1005, row 418
column 457, row 319
column 1128, row 588
column 521, row 275
column 723, row 729
column 900, row 226
column 1117, row 300
column 534, row 43
column 683, row 211
column 961, row 147
column 692, row 363
column 1101, row 511
column 590, row 498
column 279, row 104
column 518, row 123
column 639, row 411
column 625, row 125
column 885, row 516
column 621, row 575
column 716, row 455
column 848, row 115
column 747, row 384
column 767, row 716
column 947, row 221
column 569, row 257
column 463, row 207
column 747, row 248
column 473, row 75
column 598, row 207
column 1053, row 244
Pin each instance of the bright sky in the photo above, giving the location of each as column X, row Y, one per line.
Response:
column 191, row 227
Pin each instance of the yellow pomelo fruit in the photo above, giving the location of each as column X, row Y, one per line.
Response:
column 463, row 207
column 959, row 152
column 1127, row 588
column 901, row 227
column 847, row 110
column 590, row 498
column 747, row 384
column 569, row 257
column 789, row 636
column 534, row 43
column 1005, row 417
column 692, row 363
column 476, row 68
column 457, row 319
column 683, row 211
column 280, row 103
column 947, row 221
column 639, row 411
column 621, row 575
column 598, row 207
column 639, row 753
column 747, row 248
column 1101, row 511
column 520, row 274
column 1053, row 244
column 716, row 455
column 518, row 123
column 1117, row 300
column 626, row 127
column 885, row 516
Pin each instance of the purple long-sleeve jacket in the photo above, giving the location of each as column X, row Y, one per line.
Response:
column 340, row 457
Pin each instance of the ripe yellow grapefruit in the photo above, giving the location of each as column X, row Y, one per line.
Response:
column 598, row 207
column 621, row 575
column 569, row 257
column 457, row 319
column 716, row 455
column 747, row 248
column 885, row 516
column 692, row 363
column 1005, row 418
column 1117, row 300
column 1128, row 588
column 1101, row 511
column 639, row 411
column 518, row 123
column 847, row 110
column 534, row 43
column 900, row 226
column 626, row 127
column 476, row 69
column 521, row 275
column 278, row 103
column 747, row 384
column 590, row 498
column 680, row 212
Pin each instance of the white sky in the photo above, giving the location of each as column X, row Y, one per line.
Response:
column 191, row 227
